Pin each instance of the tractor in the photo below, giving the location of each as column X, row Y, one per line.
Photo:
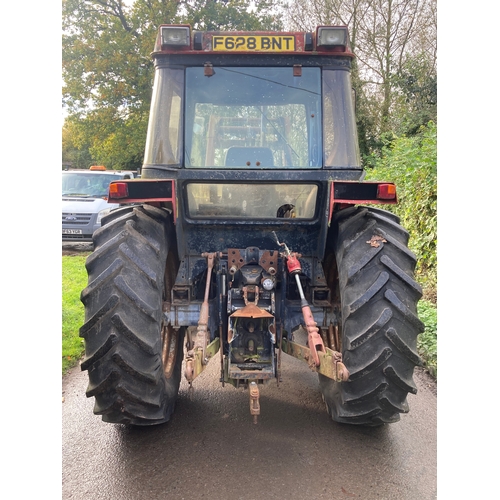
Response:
column 250, row 234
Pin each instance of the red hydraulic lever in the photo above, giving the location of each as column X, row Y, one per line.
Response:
column 293, row 264
column 314, row 340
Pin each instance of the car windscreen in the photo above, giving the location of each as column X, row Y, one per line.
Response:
column 87, row 185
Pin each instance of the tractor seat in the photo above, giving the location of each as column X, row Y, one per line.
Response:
column 249, row 157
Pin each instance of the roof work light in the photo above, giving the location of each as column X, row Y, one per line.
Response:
column 175, row 35
column 328, row 36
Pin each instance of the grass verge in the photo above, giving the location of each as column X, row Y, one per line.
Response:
column 74, row 280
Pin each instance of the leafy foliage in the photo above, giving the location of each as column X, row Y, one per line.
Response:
column 427, row 341
column 415, row 95
column 411, row 162
column 233, row 15
column 75, row 147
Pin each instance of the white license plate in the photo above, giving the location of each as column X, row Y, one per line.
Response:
column 72, row 231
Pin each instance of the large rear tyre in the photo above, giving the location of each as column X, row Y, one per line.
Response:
column 379, row 324
column 133, row 359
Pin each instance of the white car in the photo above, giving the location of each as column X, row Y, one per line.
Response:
column 85, row 200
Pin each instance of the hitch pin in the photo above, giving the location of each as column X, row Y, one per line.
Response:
column 253, row 392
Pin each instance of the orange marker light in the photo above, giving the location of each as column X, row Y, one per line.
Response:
column 118, row 190
column 386, row 192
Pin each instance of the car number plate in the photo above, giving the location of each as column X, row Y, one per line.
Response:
column 257, row 43
column 72, row 231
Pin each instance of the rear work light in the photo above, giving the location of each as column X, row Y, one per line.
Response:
column 331, row 37
column 386, row 192
column 175, row 35
column 118, row 190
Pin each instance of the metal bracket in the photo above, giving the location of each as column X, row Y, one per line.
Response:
column 330, row 365
column 197, row 356
column 197, row 363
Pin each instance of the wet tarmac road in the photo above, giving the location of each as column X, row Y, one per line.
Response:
column 210, row 449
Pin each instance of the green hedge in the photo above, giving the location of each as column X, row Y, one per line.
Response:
column 411, row 162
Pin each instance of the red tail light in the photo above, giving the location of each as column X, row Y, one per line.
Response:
column 386, row 192
column 118, row 190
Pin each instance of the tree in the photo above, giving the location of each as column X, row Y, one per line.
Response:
column 75, row 151
column 390, row 38
column 225, row 15
column 415, row 96
column 108, row 71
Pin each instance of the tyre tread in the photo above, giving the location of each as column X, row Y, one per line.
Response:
column 123, row 316
column 379, row 321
